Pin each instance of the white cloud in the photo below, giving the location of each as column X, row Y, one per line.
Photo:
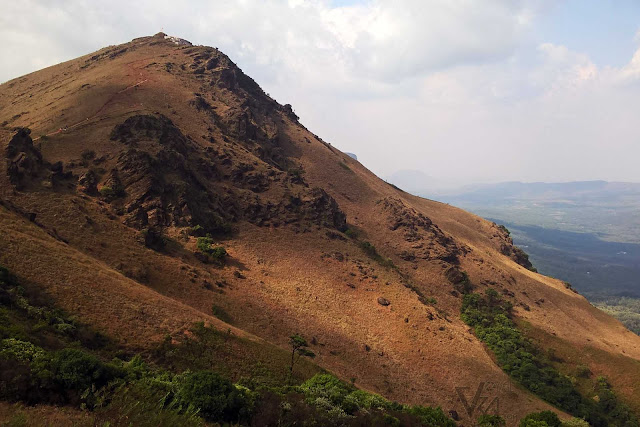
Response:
column 459, row 89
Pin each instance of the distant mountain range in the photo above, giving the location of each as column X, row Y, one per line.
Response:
column 609, row 210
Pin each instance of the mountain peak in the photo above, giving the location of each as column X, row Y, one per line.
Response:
column 145, row 159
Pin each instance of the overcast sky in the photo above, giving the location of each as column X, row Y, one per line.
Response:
column 463, row 90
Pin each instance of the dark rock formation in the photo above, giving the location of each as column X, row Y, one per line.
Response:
column 23, row 159
column 162, row 179
column 426, row 239
column 507, row 248
column 165, row 188
column 383, row 301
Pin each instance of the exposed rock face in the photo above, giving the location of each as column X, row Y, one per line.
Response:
column 251, row 117
column 23, row 159
column 424, row 239
column 321, row 208
column 312, row 206
column 506, row 247
column 88, row 182
column 162, row 180
column 25, row 163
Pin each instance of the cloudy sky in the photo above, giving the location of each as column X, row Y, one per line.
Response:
column 463, row 90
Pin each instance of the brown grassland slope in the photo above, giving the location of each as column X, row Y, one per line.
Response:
column 152, row 138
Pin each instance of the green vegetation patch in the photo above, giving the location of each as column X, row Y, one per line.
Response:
column 215, row 254
column 341, row 400
column 490, row 316
column 372, row 253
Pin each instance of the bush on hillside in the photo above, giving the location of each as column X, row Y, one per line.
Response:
column 548, row 418
column 216, row 254
column 490, row 316
column 351, row 233
column 488, row 420
column 533, row 423
column 575, row 422
column 13, row 349
column 215, row 396
column 197, row 230
column 432, row 417
column 110, row 194
column 77, row 370
column 372, row 253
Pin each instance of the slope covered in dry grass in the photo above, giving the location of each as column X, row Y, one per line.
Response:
column 159, row 138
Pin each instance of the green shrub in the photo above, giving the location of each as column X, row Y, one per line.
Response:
column 548, row 418
column 87, row 155
column 110, row 194
column 146, row 404
column 575, row 422
column 197, row 230
column 460, row 280
column 464, row 287
column 154, row 239
column 490, row 315
column 345, row 166
column 491, row 421
column 6, row 278
column 75, row 369
column 339, row 399
column 205, row 245
column 504, row 229
column 215, row 397
column 221, row 314
column 328, row 387
column 216, row 254
column 13, row 349
column 372, row 253
column 351, row 233
column 365, row 400
column 533, row 423
column 107, row 192
column 431, row 417
column 296, row 174
column 328, row 391
column 369, row 249
column 583, row 371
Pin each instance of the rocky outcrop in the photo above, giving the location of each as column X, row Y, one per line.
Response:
column 161, row 177
column 423, row 239
column 505, row 245
column 88, row 182
column 312, row 206
column 24, row 161
column 25, row 164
